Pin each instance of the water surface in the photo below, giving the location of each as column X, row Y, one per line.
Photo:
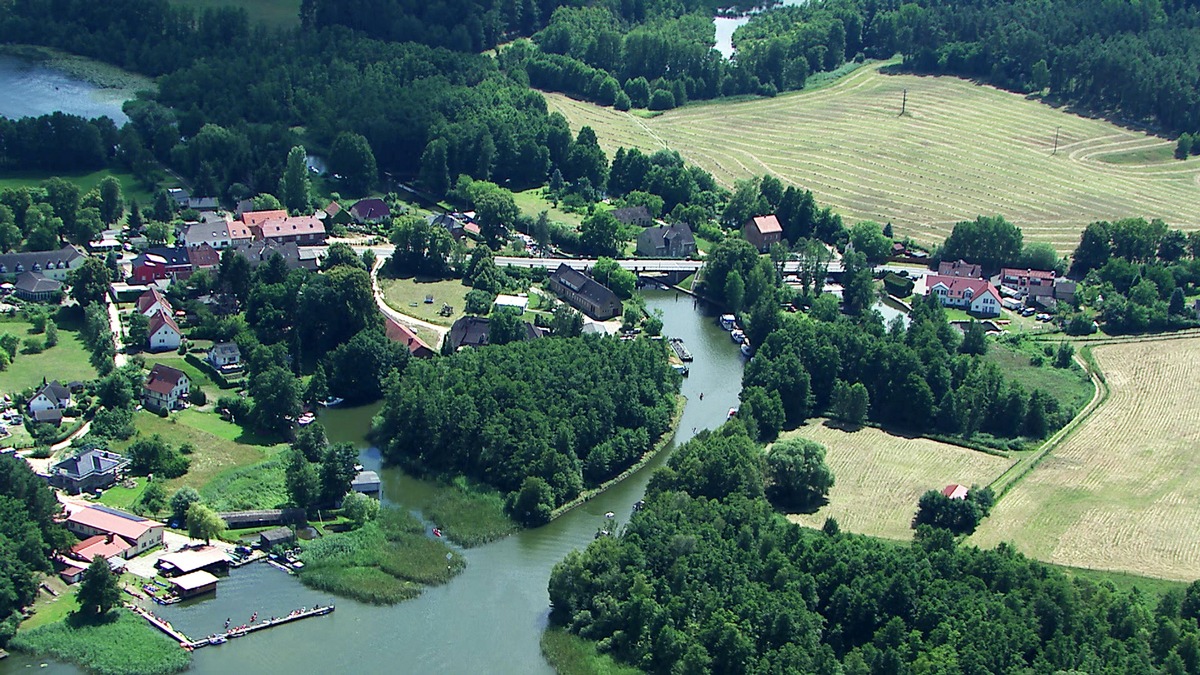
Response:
column 34, row 88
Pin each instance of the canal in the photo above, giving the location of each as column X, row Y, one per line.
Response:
column 490, row 618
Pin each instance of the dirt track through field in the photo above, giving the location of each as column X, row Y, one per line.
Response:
column 961, row 150
column 1123, row 492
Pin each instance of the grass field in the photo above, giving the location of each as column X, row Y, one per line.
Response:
column 408, row 296
column 960, row 150
column 124, row 645
column 533, row 202
column 878, row 477
column 274, row 13
column 1070, row 386
column 1123, row 492
column 66, row 361
column 131, row 188
column 570, row 654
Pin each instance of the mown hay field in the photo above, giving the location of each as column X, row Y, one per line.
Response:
column 878, row 477
column 1123, row 492
column 960, row 150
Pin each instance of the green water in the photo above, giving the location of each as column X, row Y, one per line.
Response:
column 487, row 620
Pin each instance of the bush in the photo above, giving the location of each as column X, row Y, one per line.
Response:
column 197, row 396
column 32, row 346
column 662, row 99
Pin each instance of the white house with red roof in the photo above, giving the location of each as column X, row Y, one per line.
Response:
column 955, row 491
column 164, row 332
column 165, row 388
column 762, row 231
column 152, row 302
column 98, row 520
column 976, row 296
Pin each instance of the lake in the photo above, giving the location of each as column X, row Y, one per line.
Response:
column 33, row 88
column 727, row 25
column 489, row 618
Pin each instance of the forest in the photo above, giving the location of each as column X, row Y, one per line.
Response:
column 564, row 413
column 705, row 580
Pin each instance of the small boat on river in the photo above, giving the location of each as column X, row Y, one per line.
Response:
column 727, row 321
column 680, row 350
column 737, row 336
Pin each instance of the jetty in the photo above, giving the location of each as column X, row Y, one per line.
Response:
column 680, row 350
column 237, row 632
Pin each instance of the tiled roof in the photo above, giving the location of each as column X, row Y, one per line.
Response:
column 370, row 209
column 290, row 227
column 766, row 224
column 161, row 319
column 147, row 300
column 111, row 520
column 35, row 282
column 252, row 218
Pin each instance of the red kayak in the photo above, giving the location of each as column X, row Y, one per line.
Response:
column 437, row 532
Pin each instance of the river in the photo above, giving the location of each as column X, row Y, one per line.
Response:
column 33, row 88
column 487, row 620
column 727, row 25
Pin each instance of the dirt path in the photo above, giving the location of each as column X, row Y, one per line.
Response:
column 400, row 317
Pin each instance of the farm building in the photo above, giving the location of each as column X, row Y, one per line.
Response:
column 584, row 293
column 98, row 519
column 196, row 583
column 955, row 491
column 207, row 558
column 762, row 231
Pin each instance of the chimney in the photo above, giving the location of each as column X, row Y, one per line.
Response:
column 95, row 462
column 108, row 538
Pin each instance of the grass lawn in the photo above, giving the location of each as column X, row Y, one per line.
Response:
column 961, row 149
column 274, row 13
column 122, row 497
column 248, row 488
column 131, row 188
column 214, row 454
column 48, row 609
column 570, row 654
column 534, row 201
column 124, row 645
column 1156, row 588
column 195, row 375
column 66, row 361
column 408, row 297
column 879, row 476
column 1070, row 386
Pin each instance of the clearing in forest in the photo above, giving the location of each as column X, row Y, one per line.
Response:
column 1123, row 492
column 879, row 476
column 959, row 151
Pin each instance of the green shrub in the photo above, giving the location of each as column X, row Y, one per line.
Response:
column 123, row 645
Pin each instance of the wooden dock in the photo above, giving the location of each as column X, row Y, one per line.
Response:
column 240, row 631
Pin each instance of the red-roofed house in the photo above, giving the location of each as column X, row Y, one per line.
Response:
column 152, row 301
column 300, row 230
column 165, row 388
column 398, row 332
column 107, row 546
column 1037, row 283
column 974, row 295
column 164, row 332
column 762, row 231
column 370, row 210
column 239, row 233
column 955, row 491
column 203, row 257
column 69, row 569
column 144, row 534
column 960, row 268
column 253, row 218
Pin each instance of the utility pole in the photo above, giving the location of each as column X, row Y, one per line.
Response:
column 1055, row 141
column 904, row 103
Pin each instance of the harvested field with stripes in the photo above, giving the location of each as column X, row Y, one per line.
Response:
column 1123, row 492
column 960, row 150
column 879, row 476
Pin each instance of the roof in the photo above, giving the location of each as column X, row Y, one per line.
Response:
column 398, row 332
column 766, row 224
column 239, row 230
column 172, row 376
column 48, row 415
column 107, row 519
column 91, row 462
column 370, row 209
column 657, row 237
column 959, row 268
column 35, row 282
column 55, row 391
column 202, row 203
column 955, row 491
column 173, row 255
column 366, row 478
column 203, row 256
column 189, row 561
column 161, row 319
column 332, row 209
column 290, row 227
column 512, row 301
column 36, row 261
column 101, row 545
column 583, row 285
column 469, row 331
column 226, row 349
column 278, row 534
column 1031, row 274
column 198, row 232
column 631, row 214
column 957, row 287
column 294, row 257
column 147, row 300
column 252, row 218
column 190, row 582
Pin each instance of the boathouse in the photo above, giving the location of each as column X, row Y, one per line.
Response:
column 280, row 536
column 184, row 563
column 196, row 583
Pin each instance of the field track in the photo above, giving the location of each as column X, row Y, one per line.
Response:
column 961, row 150
column 1122, row 492
column 879, row 476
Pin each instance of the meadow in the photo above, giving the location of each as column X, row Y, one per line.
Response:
column 1122, row 492
column 67, row 361
column 408, row 297
column 879, row 476
column 960, row 150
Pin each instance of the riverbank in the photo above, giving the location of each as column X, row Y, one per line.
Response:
column 95, row 73
column 123, row 645
column 570, row 654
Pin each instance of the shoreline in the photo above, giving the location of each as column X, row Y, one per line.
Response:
column 100, row 74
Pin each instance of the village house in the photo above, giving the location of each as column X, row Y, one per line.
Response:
column 55, row 265
column 452, row 224
column 225, row 356
column 162, row 263
column 370, row 210
column 164, row 333
column 955, row 491
column 165, row 388
column 50, row 396
column 333, row 214
column 295, row 257
column 203, row 257
column 584, row 293
column 215, row 235
column 976, row 296
column 88, row 471
column 472, row 331
column 762, row 231
column 143, row 533
column 398, row 332
column 239, row 233
column 1034, row 283
column 36, row 287
column 112, row 547
column 960, row 268
column 634, row 215
column 152, row 301
column 307, row 230
column 672, row 241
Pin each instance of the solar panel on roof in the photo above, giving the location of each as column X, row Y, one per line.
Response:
column 114, row 512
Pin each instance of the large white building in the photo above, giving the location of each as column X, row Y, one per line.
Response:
column 976, row 296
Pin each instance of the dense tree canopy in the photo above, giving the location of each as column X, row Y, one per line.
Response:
column 28, row 536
